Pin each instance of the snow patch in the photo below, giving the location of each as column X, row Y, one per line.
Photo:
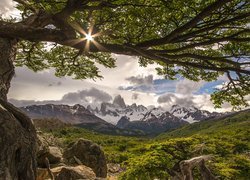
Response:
column 189, row 119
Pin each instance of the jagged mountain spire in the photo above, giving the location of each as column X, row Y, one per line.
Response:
column 119, row 101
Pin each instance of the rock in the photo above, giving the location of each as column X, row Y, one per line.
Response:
column 18, row 144
column 114, row 168
column 66, row 173
column 78, row 172
column 119, row 102
column 53, row 153
column 90, row 154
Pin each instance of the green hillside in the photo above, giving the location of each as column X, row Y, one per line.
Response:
column 225, row 139
column 237, row 122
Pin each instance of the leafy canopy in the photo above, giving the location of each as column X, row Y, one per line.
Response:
column 195, row 39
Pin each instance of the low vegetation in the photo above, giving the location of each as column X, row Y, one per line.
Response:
column 226, row 140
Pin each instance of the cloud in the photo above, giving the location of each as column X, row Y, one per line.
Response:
column 187, row 87
column 170, row 99
column 91, row 95
column 184, row 94
column 140, row 80
column 6, row 6
column 84, row 97
column 23, row 103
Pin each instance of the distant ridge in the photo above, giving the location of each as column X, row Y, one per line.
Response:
column 119, row 118
column 76, row 115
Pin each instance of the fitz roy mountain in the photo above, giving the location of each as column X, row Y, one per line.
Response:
column 119, row 118
column 113, row 112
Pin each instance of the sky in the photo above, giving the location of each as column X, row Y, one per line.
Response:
column 134, row 83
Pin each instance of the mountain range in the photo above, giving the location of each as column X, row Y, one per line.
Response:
column 119, row 118
column 113, row 112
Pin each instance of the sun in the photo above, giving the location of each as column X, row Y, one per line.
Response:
column 89, row 37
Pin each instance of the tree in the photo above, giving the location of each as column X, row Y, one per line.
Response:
column 196, row 39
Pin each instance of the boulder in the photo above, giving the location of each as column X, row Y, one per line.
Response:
column 77, row 172
column 90, row 154
column 53, row 153
column 66, row 173
column 17, row 144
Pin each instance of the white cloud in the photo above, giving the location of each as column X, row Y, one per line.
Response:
column 6, row 6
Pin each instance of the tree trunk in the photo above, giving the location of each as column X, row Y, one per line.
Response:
column 7, row 56
column 17, row 133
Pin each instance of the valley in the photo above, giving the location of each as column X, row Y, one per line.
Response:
column 225, row 139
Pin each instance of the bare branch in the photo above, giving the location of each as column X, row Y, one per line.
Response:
column 192, row 23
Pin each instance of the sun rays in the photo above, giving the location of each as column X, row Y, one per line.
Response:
column 87, row 37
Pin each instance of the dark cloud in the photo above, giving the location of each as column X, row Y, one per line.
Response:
column 185, row 89
column 166, row 98
column 83, row 97
column 140, row 80
column 172, row 99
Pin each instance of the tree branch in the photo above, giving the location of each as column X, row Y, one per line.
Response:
column 20, row 31
column 192, row 23
column 212, row 27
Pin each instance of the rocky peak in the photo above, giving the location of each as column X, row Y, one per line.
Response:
column 89, row 108
column 168, row 117
column 148, row 115
column 123, row 122
column 119, row 102
column 133, row 106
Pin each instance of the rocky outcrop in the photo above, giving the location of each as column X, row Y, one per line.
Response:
column 17, row 144
column 66, row 173
column 48, row 148
column 89, row 154
column 54, row 155
column 77, row 172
